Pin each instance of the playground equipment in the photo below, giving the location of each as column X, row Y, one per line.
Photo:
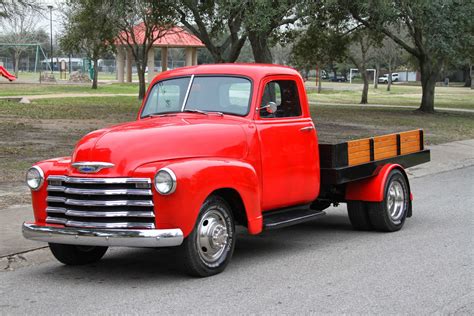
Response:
column 6, row 74
column 29, row 58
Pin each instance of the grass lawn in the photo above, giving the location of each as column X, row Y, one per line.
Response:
column 447, row 97
column 340, row 123
column 21, row 89
column 106, row 109
column 51, row 127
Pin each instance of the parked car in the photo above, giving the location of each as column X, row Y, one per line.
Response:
column 339, row 79
column 215, row 146
column 384, row 78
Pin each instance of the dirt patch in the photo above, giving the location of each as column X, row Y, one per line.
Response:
column 340, row 132
column 26, row 141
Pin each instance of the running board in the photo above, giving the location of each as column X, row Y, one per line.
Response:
column 288, row 217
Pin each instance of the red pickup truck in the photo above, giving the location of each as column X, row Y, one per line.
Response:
column 215, row 146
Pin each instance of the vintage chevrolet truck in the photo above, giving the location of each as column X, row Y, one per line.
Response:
column 215, row 146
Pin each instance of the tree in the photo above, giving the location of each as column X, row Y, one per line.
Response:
column 359, row 55
column 9, row 8
column 225, row 25
column 20, row 29
column 319, row 46
column 217, row 23
column 142, row 23
column 80, row 37
column 264, row 19
column 438, row 31
column 330, row 39
column 389, row 54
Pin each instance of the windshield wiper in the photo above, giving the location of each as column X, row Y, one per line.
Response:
column 203, row 112
column 158, row 115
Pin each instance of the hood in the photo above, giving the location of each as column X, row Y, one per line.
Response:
column 133, row 144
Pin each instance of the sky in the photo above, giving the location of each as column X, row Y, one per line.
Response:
column 44, row 17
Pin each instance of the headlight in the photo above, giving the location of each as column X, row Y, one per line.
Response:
column 165, row 181
column 35, row 178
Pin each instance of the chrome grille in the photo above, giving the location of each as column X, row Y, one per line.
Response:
column 100, row 202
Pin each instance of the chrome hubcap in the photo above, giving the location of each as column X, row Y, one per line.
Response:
column 396, row 201
column 212, row 236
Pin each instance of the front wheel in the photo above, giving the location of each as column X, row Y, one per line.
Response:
column 209, row 247
column 77, row 255
column 390, row 214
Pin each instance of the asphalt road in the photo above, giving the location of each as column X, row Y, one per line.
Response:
column 318, row 267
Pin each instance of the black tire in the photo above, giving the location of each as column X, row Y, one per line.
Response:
column 77, row 255
column 382, row 216
column 358, row 212
column 195, row 254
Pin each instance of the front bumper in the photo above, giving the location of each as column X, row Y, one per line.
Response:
column 104, row 237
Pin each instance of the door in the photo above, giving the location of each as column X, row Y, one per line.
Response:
column 288, row 145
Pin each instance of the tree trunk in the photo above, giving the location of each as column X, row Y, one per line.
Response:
column 16, row 62
column 376, row 79
column 428, row 84
column 141, row 82
column 319, row 81
column 467, row 76
column 94, row 77
column 365, row 90
column 260, row 49
column 389, row 83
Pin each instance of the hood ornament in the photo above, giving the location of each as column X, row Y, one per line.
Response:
column 91, row 166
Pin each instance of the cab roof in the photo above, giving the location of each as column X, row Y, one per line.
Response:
column 253, row 71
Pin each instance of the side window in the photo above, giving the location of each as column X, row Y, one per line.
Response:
column 285, row 95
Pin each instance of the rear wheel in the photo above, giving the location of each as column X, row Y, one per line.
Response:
column 390, row 214
column 358, row 212
column 209, row 247
column 77, row 255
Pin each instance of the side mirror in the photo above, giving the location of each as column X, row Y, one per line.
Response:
column 271, row 107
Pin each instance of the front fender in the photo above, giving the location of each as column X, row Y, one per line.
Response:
column 56, row 166
column 196, row 180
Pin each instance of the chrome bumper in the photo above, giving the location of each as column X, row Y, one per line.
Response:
column 104, row 237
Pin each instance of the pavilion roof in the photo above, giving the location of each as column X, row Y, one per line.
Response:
column 173, row 37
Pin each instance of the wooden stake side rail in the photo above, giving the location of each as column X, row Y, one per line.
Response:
column 381, row 147
column 358, row 159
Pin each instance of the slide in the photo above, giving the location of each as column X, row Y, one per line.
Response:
column 6, row 74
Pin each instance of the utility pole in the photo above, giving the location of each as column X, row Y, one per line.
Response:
column 50, row 7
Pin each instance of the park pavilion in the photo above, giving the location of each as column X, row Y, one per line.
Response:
column 175, row 37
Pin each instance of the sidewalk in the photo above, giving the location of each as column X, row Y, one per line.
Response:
column 444, row 157
column 389, row 106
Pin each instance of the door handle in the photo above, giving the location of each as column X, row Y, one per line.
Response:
column 307, row 129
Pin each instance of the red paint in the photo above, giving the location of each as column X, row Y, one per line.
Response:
column 371, row 189
column 270, row 163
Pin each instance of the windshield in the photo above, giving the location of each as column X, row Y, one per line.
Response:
column 223, row 94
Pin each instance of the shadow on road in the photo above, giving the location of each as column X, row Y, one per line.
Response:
column 127, row 265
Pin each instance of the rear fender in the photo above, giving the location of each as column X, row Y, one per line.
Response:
column 372, row 189
column 196, row 180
